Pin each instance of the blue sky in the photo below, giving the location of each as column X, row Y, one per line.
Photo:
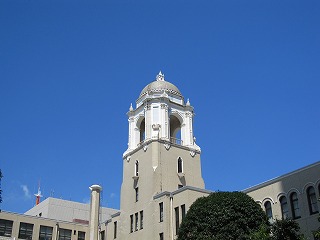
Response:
column 70, row 69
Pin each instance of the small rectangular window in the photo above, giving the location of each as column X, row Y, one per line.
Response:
column 137, row 194
column 141, row 219
column 183, row 211
column 176, row 211
column 136, row 222
column 65, row 234
column 5, row 227
column 179, row 165
column 136, row 170
column 160, row 236
column 131, row 223
column 25, row 230
column 45, row 233
column 102, row 235
column 156, row 114
column 115, row 229
column 81, row 235
column 161, row 211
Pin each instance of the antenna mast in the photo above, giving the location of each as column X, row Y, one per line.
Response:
column 38, row 195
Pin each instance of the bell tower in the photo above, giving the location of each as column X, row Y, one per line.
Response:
column 161, row 157
column 161, row 114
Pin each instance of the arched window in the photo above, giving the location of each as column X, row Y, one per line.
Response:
column 175, row 130
column 268, row 209
column 142, row 130
column 284, row 207
column 312, row 200
column 136, row 168
column 180, row 169
column 295, row 205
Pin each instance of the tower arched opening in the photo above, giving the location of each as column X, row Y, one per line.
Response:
column 142, row 129
column 175, row 130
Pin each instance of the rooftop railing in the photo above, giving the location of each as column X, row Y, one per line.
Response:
column 176, row 141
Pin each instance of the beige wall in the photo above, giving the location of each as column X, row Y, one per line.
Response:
column 158, row 172
column 37, row 221
column 297, row 181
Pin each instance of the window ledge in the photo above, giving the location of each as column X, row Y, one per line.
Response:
column 135, row 177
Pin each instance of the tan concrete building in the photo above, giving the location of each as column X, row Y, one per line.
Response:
column 161, row 179
column 162, row 158
column 294, row 195
column 56, row 219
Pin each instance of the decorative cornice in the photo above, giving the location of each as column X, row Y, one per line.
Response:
column 163, row 141
column 192, row 153
column 167, row 145
column 185, row 188
column 145, row 148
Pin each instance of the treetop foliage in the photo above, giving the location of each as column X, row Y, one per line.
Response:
column 222, row 216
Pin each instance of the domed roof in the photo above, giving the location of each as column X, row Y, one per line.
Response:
column 160, row 85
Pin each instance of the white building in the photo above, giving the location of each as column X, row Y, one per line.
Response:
column 161, row 179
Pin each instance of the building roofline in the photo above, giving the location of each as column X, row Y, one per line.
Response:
column 116, row 214
column 61, row 200
column 185, row 188
column 43, row 218
column 276, row 179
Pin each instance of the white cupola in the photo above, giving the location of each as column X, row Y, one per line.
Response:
column 161, row 114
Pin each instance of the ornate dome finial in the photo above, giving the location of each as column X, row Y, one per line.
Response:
column 160, row 76
column 131, row 108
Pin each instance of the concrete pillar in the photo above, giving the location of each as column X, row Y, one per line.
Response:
column 94, row 212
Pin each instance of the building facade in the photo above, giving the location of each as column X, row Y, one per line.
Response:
column 161, row 179
column 161, row 167
column 294, row 195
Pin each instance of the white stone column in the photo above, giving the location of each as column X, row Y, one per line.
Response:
column 94, row 212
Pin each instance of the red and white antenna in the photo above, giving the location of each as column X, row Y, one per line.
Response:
column 38, row 195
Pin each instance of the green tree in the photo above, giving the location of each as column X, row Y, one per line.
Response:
column 286, row 229
column 263, row 233
column 222, row 216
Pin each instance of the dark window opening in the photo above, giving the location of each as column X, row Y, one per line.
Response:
column 180, row 165
column 64, row 234
column 183, row 211
column 176, row 211
column 141, row 219
column 161, row 236
column 295, row 205
column 268, row 209
column 25, row 231
column 45, row 233
column 131, row 223
column 161, row 211
column 312, row 200
column 137, row 194
column 136, row 222
column 102, row 235
column 5, row 227
column 284, row 207
column 115, row 225
column 136, row 170
column 142, row 130
column 81, row 235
